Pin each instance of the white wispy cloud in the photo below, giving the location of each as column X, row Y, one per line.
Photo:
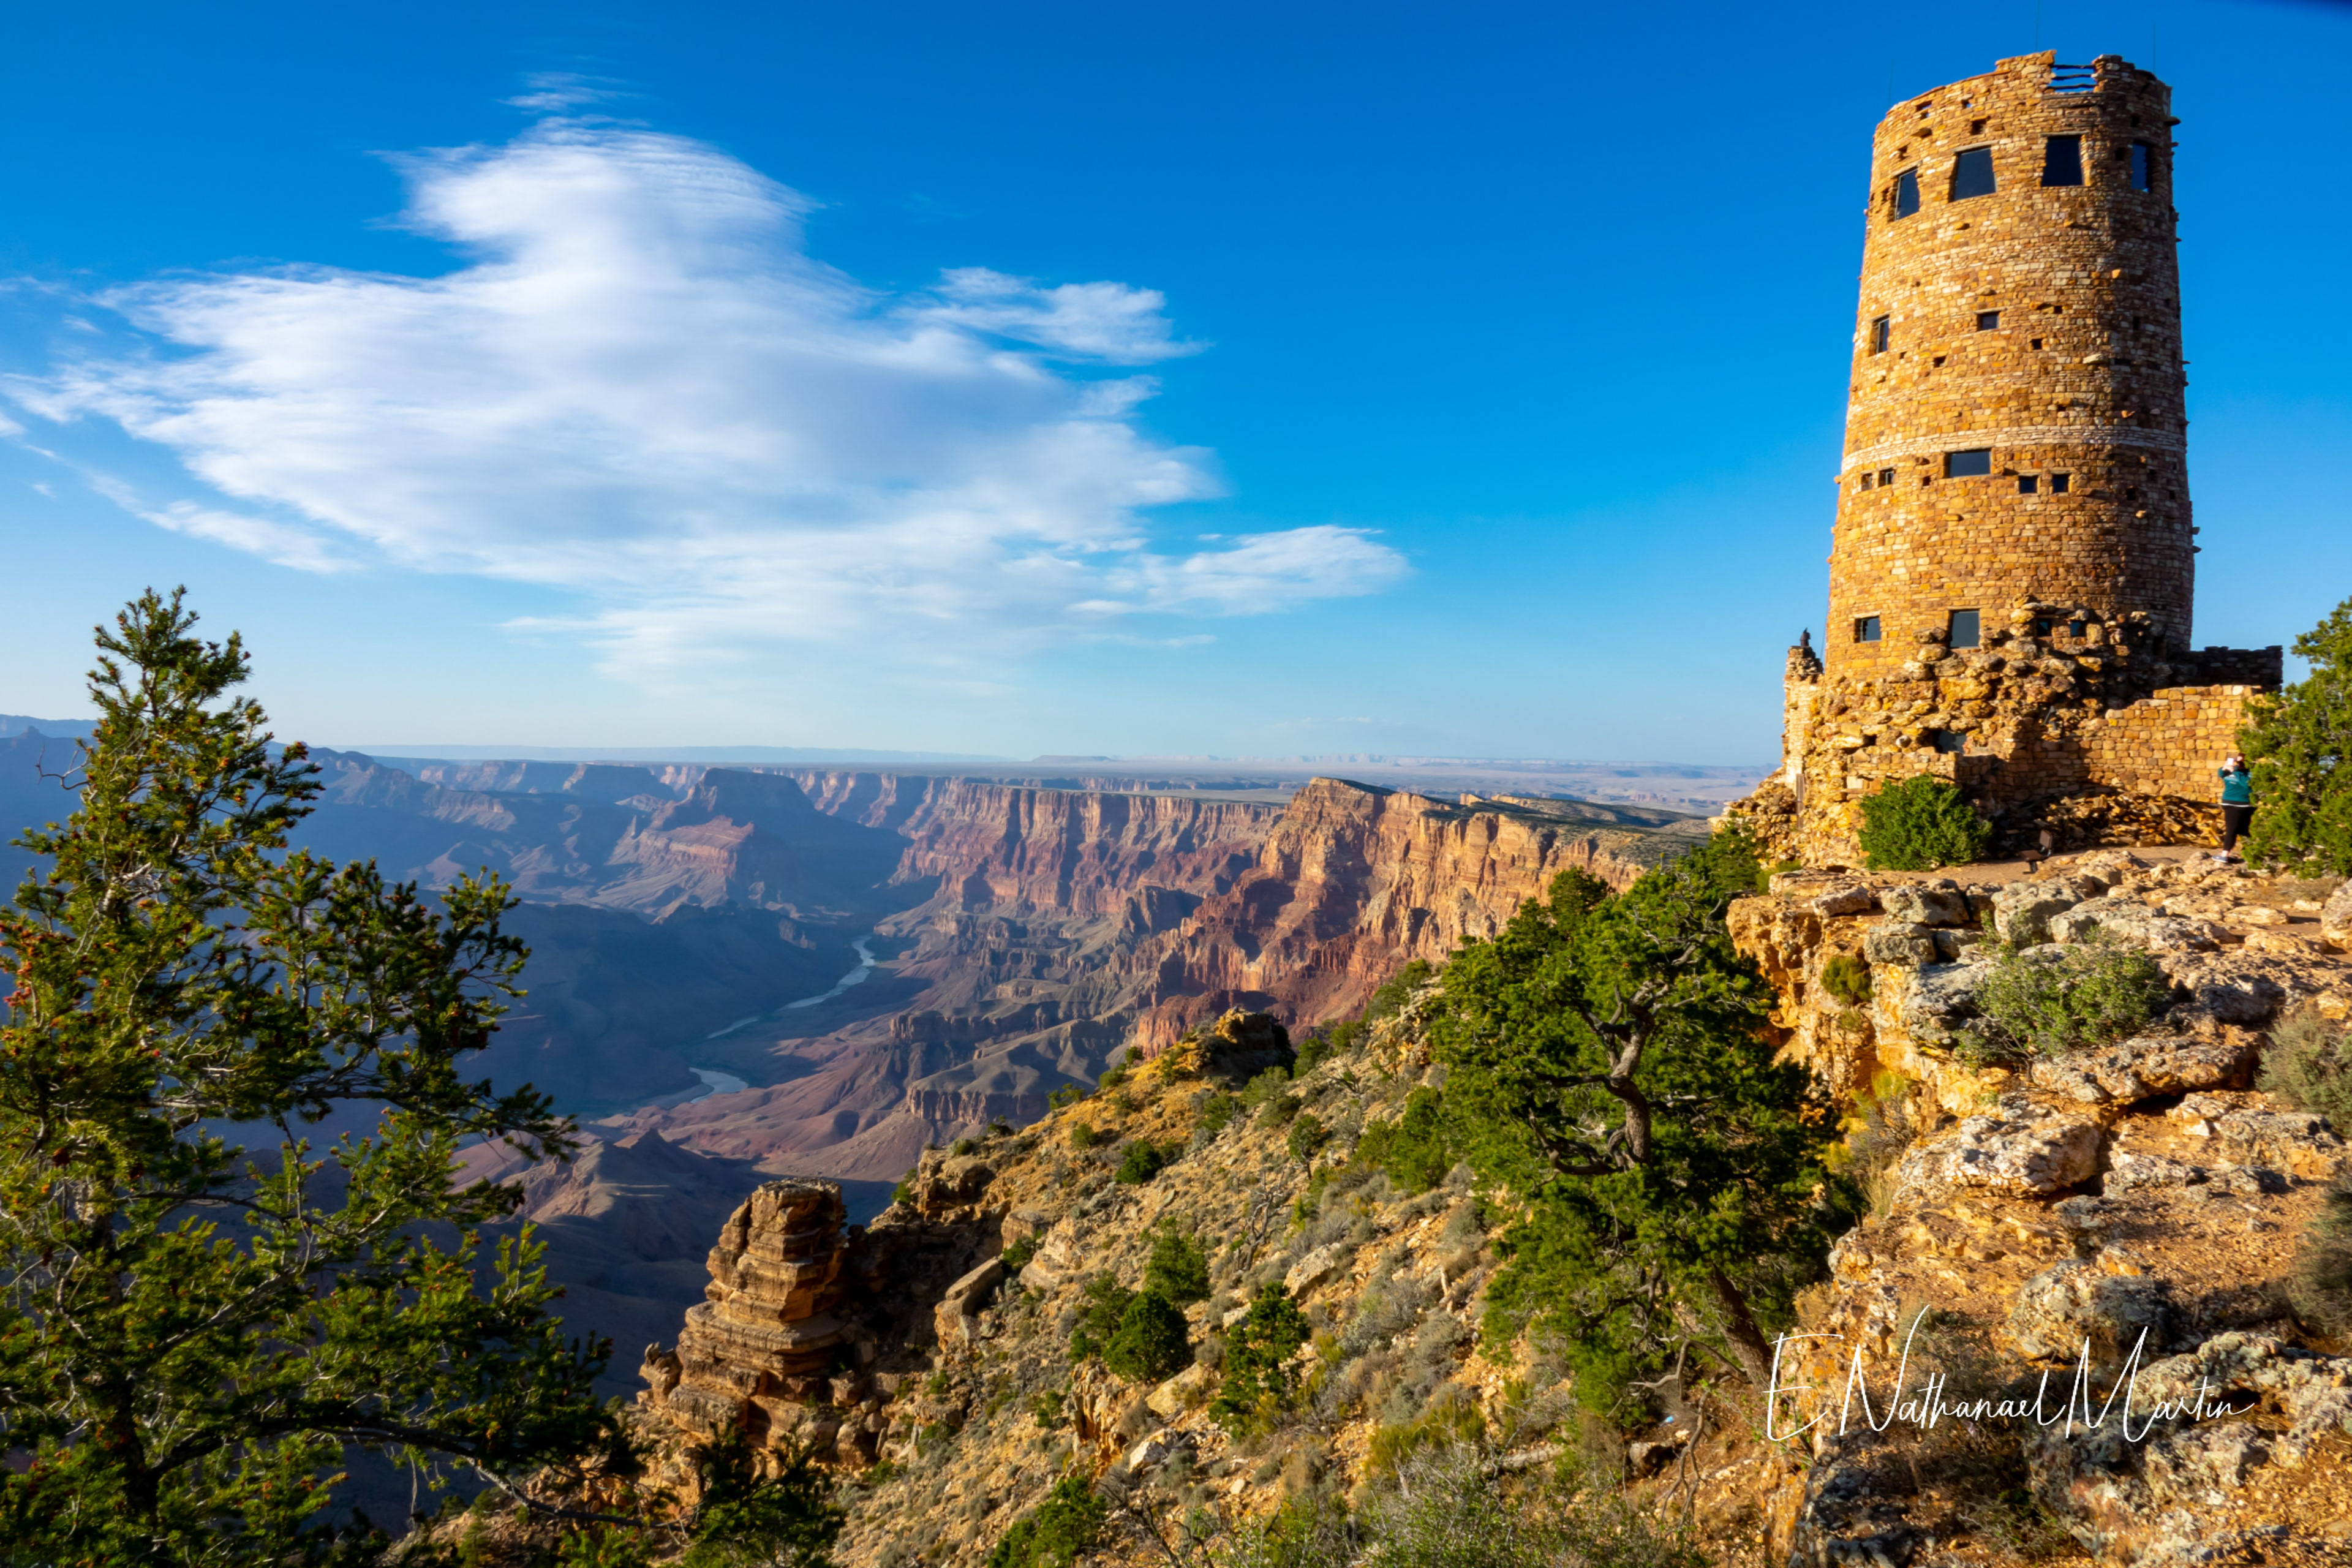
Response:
column 640, row 387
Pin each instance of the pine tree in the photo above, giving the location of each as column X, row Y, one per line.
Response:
column 2299, row 745
column 203, row 1308
column 1608, row 1066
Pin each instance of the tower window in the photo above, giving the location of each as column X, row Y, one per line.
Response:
column 2142, row 161
column 1881, row 330
column 1951, row 741
column 1964, row 629
column 1973, row 174
column 1968, row 465
column 2061, row 160
column 2044, row 625
column 2027, row 484
column 2075, row 628
column 1865, row 628
column 2060, row 483
column 1865, row 478
column 1885, row 476
column 1906, row 193
column 1987, row 320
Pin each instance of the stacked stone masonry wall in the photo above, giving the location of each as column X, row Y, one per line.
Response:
column 2082, row 377
column 2169, row 743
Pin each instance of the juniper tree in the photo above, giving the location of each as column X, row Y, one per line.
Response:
column 205, row 1302
column 1608, row 1066
column 2299, row 745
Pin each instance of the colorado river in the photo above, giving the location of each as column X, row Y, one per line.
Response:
column 854, row 978
column 715, row 1082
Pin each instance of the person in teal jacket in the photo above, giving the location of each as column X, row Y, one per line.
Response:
column 2237, row 804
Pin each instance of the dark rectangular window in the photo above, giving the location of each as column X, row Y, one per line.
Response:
column 2060, row 484
column 1865, row 478
column 1865, row 628
column 2061, row 160
column 1973, row 174
column 1951, row 741
column 1968, row 465
column 1987, row 320
column 1881, row 330
column 1886, row 478
column 1906, row 193
column 2141, row 160
column 2044, row 625
column 1964, row 629
column 2027, row 484
column 2075, row 628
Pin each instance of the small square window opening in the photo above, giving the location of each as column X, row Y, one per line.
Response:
column 2060, row 483
column 1886, row 476
column 2076, row 629
column 1971, row 464
column 1906, row 193
column 1988, row 321
column 1950, row 742
column 2061, row 160
column 2044, row 625
column 2037, row 342
column 1866, row 478
column 1964, row 629
column 1865, row 628
column 1882, row 330
column 1973, row 174
column 2141, row 161
column 2027, row 484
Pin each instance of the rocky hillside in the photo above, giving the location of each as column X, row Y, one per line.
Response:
column 2142, row 1192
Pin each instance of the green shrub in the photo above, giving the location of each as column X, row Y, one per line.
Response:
column 1265, row 1086
column 2308, row 1064
column 1056, row 1532
column 2319, row 1280
column 1452, row 1418
column 1150, row 1343
column 1016, row 1257
column 1259, row 1379
column 1414, row 1149
column 2052, row 999
column 1847, row 978
column 1312, row 1052
column 1307, row 1134
column 1143, row 1160
column 1083, row 1135
column 1111, row 1078
column 1179, row 1267
column 1101, row 1309
column 1218, row 1109
column 1918, row 825
column 1045, row 1409
column 904, row 1193
column 962, row 1146
column 1279, row 1112
column 1069, row 1094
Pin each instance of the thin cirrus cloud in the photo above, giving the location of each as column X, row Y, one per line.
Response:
column 641, row 388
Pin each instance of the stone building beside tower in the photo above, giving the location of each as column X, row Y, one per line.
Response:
column 2012, row 570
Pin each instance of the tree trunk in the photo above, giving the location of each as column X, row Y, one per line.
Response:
column 1748, row 1346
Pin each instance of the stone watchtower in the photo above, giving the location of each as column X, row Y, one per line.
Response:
column 2013, row 563
column 2015, row 425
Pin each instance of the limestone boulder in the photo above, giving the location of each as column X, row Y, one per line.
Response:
column 2061, row 1310
column 1316, row 1268
column 1852, row 899
column 2336, row 917
column 2020, row 1148
column 1936, row 903
column 1932, row 1004
column 2145, row 1067
column 2158, row 1495
column 2127, row 920
column 2300, row 1142
column 2021, row 912
column 2133, row 1172
column 1900, row 942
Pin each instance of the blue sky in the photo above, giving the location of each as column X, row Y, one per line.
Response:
column 1233, row 379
